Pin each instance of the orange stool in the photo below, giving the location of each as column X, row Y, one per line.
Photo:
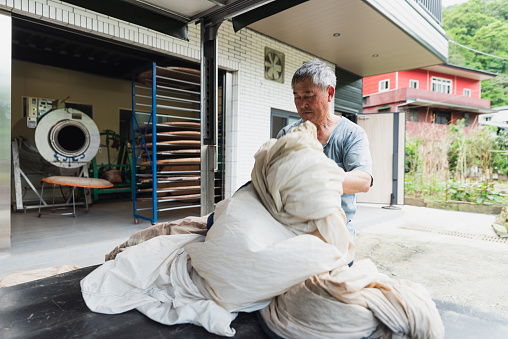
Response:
column 73, row 182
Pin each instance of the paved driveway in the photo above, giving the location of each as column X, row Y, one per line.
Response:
column 455, row 255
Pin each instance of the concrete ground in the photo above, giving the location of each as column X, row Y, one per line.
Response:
column 455, row 255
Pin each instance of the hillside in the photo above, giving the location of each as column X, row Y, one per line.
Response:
column 481, row 25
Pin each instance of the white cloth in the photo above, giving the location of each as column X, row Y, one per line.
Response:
column 256, row 251
column 301, row 187
column 248, row 256
column 153, row 277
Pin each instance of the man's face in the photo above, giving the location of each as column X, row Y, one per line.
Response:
column 311, row 101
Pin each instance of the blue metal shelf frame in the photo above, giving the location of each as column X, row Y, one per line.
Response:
column 142, row 102
column 135, row 155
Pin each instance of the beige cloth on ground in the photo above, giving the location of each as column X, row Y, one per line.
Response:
column 27, row 276
column 354, row 302
column 188, row 225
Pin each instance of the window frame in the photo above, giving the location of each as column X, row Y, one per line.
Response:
column 413, row 114
column 274, row 112
column 468, row 91
column 381, row 82
column 437, row 83
column 439, row 116
column 416, row 82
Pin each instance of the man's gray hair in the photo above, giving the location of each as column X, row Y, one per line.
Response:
column 318, row 71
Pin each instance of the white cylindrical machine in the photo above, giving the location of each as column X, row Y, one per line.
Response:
column 67, row 138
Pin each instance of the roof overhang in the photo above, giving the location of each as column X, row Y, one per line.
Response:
column 496, row 124
column 445, row 105
column 460, row 71
column 364, row 37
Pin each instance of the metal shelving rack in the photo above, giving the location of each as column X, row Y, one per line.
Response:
column 165, row 139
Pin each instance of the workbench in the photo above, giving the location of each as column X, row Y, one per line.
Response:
column 54, row 308
column 73, row 182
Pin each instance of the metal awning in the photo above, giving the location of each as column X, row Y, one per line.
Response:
column 446, row 105
column 496, row 124
column 364, row 37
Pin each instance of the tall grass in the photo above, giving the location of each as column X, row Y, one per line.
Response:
column 446, row 162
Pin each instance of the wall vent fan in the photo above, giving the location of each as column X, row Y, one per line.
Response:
column 274, row 65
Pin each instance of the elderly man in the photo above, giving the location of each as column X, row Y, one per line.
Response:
column 343, row 141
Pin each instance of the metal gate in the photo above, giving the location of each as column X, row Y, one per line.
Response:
column 386, row 133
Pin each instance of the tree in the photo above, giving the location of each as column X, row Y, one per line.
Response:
column 481, row 25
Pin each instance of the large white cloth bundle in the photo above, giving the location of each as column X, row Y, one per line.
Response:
column 266, row 241
column 301, row 187
column 248, row 256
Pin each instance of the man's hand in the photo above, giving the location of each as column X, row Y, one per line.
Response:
column 356, row 181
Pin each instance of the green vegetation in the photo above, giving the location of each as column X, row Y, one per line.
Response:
column 445, row 165
column 481, row 25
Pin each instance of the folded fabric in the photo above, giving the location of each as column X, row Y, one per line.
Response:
column 356, row 302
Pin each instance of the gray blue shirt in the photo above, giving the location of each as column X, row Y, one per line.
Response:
column 348, row 146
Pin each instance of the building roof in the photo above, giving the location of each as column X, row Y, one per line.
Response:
column 461, row 71
column 439, row 104
column 363, row 37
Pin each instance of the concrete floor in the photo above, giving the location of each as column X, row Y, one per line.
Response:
column 54, row 239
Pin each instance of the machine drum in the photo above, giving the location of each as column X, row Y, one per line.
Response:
column 67, row 138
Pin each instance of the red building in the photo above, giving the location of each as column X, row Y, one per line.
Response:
column 438, row 95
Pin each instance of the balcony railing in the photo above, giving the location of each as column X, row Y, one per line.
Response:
column 433, row 7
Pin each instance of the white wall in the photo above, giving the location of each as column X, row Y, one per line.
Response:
column 255, row 96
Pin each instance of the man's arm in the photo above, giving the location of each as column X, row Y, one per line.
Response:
column 356, row 181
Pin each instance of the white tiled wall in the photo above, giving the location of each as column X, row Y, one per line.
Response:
column 255, row 96
column 242, row 53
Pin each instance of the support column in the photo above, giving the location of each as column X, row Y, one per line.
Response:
column 209, row 74
column 5, row 132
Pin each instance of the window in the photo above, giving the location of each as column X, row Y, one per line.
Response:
column 442, row 118
column 414, row 114
column 384, row 85
column 467, row 119
column 413, row 84
column 467, row 92
column 441, row 85
column 280, row 119
column 87, row 109
column 126, row 124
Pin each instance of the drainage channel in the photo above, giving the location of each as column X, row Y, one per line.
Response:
column 458, row 234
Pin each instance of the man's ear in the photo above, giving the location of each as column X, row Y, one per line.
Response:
column 330, row 91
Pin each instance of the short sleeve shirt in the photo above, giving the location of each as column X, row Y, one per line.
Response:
column 348, row 146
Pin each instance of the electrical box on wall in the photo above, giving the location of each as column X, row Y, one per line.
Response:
column 33, row 108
